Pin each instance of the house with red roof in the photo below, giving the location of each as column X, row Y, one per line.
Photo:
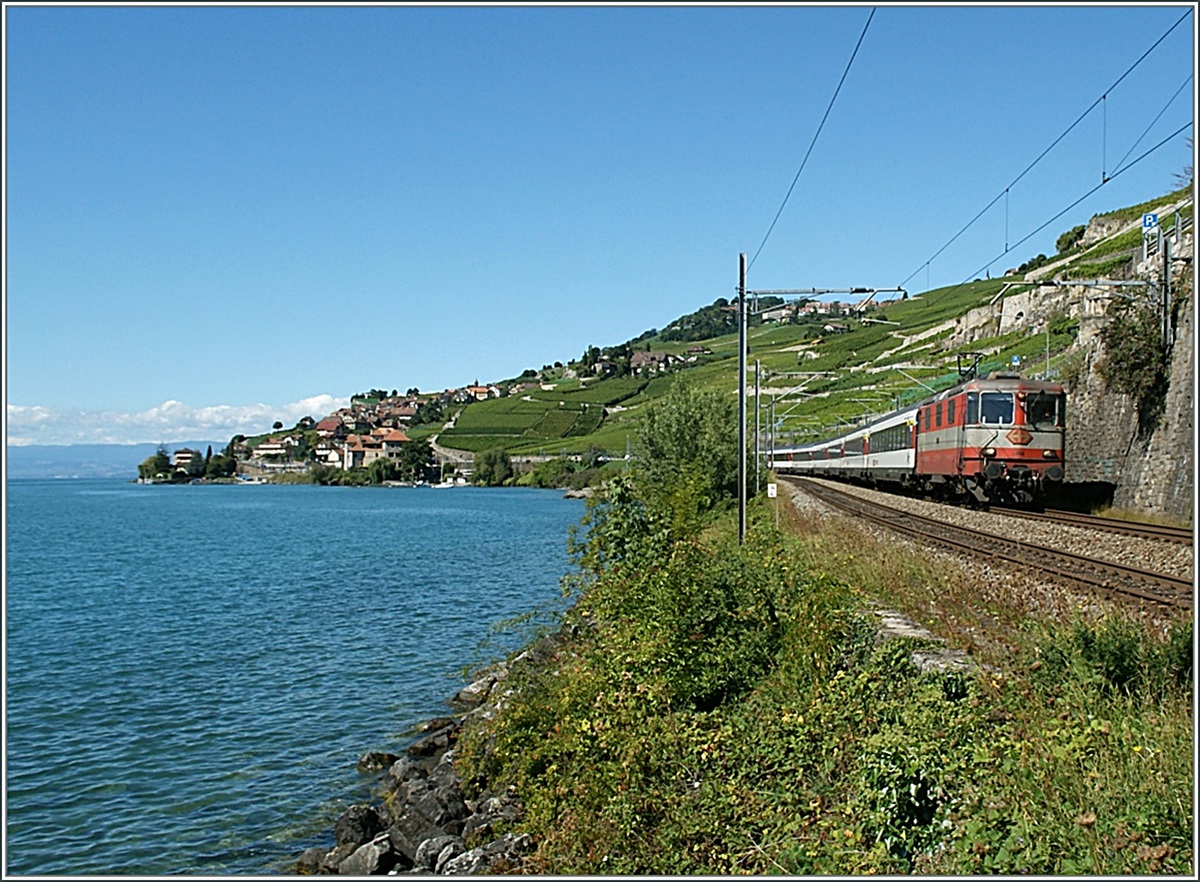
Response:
column 331, row 427
column 482, row 393
column 648, row 361
column 360, row 451
column 391, row 441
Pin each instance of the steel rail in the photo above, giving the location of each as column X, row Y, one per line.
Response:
column 1109, row 576
column 1178, row 535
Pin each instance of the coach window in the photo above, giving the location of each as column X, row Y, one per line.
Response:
column 950, row 412
column 996, row 407
column 972, row 408
column 939, row 415
column 928, row 418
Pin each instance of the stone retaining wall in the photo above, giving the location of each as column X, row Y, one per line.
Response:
column 1151, row 473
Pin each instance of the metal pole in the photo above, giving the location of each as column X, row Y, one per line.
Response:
column 772, row 435
column 741, row 398
column 757, row 437
column 1166, row 307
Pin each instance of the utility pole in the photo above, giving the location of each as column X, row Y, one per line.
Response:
column 1166, row 286
column 742, row 324
column 741, row 398
column 757, row 442
column 773, row 428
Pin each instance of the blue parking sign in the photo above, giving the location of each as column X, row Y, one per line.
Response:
column 1149, row 221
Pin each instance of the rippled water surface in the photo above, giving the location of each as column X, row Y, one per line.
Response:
column 193, row 671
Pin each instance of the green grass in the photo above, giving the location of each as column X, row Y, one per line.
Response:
column 1134, row 212
column 477, row 443
column 1102, row 268
column 726, row 710
column 528, row 426
column 422, row 432
column 500, row 416
column 603, row 392
column 555, row 423
column 931, row 308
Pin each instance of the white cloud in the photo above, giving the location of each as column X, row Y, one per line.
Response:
column 167, row 422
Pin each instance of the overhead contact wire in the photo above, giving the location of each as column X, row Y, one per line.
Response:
column 1055, row 142
column 1154, row 121
column 804, row 162
column 1090, row 192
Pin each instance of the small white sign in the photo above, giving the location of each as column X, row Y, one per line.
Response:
column 772, row 491
column 1149, row 221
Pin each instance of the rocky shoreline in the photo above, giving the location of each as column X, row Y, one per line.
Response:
column 424, row 822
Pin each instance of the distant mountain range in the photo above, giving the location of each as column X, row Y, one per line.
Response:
column 89, row 460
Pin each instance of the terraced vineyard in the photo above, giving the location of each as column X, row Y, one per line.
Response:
column 523, row 422
column 817, row 380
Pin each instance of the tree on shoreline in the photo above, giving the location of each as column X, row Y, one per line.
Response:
column 157, row 466
column 686, row 437
column 493, row 468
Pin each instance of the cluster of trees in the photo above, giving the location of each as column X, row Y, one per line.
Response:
column 415, row 463
column 618, row 356
column 716, row 319
column 158, row 467
column 493, row 468
column 685, row 439
column 1033, row 263
column 374, row 395
column 1070, row 239
column 563, row 472
column 428, row 412
column 708, row 321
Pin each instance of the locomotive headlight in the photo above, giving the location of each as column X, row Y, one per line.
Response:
column 1049, row 454
column 989, row 451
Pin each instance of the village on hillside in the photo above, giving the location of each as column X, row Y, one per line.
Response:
column 371, row 428
column 376, row 424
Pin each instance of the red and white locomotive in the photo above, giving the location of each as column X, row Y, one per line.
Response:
column 999, row 439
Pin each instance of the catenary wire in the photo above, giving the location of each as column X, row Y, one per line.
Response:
column 1034, row 232
column 1154, row 121
column 1053, row 144
column 804, row 162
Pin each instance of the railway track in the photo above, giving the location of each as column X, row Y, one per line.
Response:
column 1179, row 535
column 1105, row 576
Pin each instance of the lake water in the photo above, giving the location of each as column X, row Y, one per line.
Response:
column 193, row 671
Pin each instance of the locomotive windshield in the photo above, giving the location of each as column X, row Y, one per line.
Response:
column 1044, row 409
column 996, row 407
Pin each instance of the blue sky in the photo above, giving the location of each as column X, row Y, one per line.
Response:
column 221, row 216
